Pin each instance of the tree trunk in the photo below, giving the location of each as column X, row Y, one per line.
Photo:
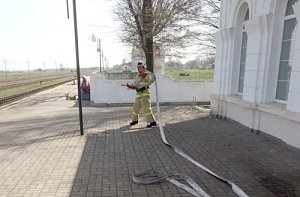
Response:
column 148, row 33
column 149, row 54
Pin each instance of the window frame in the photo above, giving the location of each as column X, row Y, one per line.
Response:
column 292, row 43
column 243, row 32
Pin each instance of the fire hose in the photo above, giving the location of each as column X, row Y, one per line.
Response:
column 153, row 176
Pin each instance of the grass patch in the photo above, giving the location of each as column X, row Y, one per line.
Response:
column 191, row 74
column 12, row 76
column 22, row 89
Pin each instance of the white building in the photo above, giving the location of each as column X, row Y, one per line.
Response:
column 257, row 71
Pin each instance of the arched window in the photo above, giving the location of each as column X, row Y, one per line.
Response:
column 243, row 55
column 286, row 55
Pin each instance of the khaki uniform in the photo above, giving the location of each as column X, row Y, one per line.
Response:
column 142, row 100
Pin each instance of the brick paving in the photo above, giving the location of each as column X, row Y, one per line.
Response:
column 43, row 154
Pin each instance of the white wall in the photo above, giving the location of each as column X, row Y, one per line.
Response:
column 270, row 118
column 105, row 91
column 256, row 107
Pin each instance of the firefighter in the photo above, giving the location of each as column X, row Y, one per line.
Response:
column 143, row 80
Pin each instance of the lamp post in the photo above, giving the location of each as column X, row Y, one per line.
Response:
column 94, row 38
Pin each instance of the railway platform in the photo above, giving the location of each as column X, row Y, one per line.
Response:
column 43, row 154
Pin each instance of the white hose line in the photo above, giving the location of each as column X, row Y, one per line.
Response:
column 234, row 187
column 155, row 176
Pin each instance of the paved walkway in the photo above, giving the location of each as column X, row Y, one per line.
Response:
column 43, row 154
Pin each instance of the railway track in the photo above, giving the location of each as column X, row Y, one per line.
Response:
column 22, row 94
column 17, row 83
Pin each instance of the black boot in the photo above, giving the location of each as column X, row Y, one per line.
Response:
column 151, row 124
column 134, row 123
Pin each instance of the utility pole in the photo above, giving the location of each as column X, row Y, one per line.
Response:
column 28, row 67
column 103, row 59
column 55, row 66
column 4, row 61
column 99, row 50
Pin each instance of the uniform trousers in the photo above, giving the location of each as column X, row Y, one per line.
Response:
column 144, row 103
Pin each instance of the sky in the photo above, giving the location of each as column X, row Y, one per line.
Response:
column 37, row 34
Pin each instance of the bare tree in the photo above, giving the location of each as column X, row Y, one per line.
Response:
column 210, row 21
column 175, row 24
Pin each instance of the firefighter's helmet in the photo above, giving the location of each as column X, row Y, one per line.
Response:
column 140, row 63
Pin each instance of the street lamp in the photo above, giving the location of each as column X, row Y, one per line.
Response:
column 94, row 38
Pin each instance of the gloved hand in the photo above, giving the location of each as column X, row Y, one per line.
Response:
column 130, row 86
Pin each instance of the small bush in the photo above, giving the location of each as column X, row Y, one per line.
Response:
column 184, row 74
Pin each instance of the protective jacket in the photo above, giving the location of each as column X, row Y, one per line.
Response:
column 142, row 83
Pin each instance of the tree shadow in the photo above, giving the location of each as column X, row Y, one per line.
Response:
column 111, row 157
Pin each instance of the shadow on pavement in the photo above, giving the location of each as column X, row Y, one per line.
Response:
column 249, row 160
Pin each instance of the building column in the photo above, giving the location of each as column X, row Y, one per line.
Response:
column 258, row 53
column 224, row 39
column 224, row 44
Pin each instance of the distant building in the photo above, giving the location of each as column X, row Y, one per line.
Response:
column 257, row 70
column 128, row 67
column 159, row 58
